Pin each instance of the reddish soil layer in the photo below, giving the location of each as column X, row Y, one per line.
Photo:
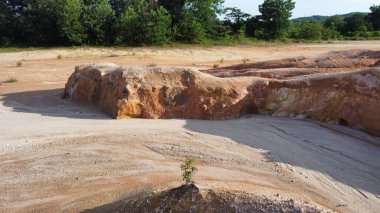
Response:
column 280, row 69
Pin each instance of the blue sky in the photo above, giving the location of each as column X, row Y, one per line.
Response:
column 310, row 7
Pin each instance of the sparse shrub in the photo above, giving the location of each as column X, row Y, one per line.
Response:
column 19, row 63
column 59, row 56
column 11, row 80
column 221, row 61
column 245, row 60
column 188, row 170
column 114, row 55
column 215, row 66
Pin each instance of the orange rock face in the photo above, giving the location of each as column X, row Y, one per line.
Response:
column 350, row 98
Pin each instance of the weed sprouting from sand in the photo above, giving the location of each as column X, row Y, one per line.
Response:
column 245, row 60
column 188, row 170
column 215, row 66
column 11, row 80
column 19, row 63
column 59, row 56
column 221, row 61
column 114, row 55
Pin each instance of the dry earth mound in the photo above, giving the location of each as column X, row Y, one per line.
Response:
column 192, row 199
column 285, row 68
column 350, row 98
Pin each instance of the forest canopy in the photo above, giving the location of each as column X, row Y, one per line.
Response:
column 158, row 22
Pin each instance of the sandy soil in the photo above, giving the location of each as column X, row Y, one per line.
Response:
column 59, row 156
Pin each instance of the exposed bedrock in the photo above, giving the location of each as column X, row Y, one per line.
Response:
column 351, row 98
column 342, row 61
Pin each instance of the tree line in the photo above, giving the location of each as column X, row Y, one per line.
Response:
column 157, row 22
column 356, row 26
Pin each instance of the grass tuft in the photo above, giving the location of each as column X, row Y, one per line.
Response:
column 245, row 60
column 11, row 80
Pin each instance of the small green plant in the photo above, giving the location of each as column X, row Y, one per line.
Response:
column 19, row 63
column 188, row 170
column 221, row 61
column 245, row 60
column 59, row 56
column 11, row 80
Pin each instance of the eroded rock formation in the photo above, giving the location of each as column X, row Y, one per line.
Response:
column 350, row 98
column 343, row 61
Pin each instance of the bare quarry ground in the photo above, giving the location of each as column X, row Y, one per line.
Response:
column 60, row 156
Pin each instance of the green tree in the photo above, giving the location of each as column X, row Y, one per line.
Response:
column 356, row 24
column 374, row 17
column 39, row 21
column 307, row 30
column 189, row 29
column 142, row 24
column 206, row 10
column 71, row 22
column 97, row 19
column 252, row 27
column 274, row 18
column 334, row 23
column 6, row 20
column 193, row 20
column 174, row 8
column 236, row 18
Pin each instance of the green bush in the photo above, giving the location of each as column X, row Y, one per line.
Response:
column 307, row 30
column 188, row 170
column 376, row 33
column 144, row 26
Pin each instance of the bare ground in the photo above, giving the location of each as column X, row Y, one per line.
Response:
column 56, row 155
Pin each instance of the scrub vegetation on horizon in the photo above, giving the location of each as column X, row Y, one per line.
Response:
column 159, row 22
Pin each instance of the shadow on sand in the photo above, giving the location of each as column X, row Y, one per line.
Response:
column 50, row 103
column 307, row 145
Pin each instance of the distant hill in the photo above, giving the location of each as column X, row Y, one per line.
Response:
column 321, row 18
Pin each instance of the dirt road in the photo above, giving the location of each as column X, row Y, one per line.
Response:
column 56, row 155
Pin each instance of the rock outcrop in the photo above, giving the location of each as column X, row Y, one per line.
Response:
column 285, row 68
column 349, row 98
column 192, row 199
